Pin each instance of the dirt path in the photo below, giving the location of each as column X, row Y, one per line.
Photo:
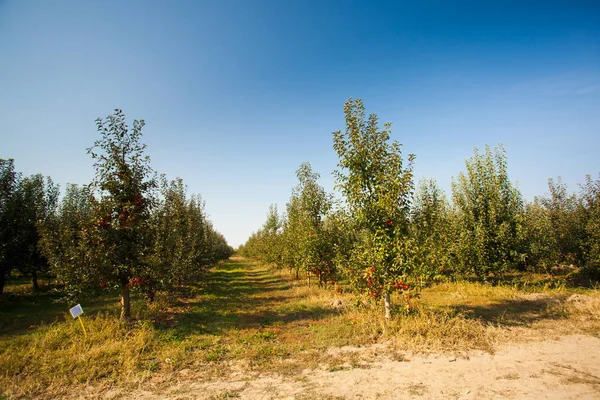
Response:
column 564, row 368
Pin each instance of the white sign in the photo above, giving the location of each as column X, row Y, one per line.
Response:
column 76, row 311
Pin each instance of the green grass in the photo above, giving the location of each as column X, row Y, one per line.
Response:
column 248, row 316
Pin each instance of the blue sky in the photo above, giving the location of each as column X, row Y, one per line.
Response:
column 236, row 94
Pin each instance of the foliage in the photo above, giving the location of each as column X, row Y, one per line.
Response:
column 64, row 241
column 377, row 188
column 432, row 229
column 267, row 244
column 118, row 232
column 304, row 231
column 271, row 235
column 179, row 237
column 555, row 228
column 591, row 204
column 490, row 212
column 24, row 204
column 37, row 198
column 8, row 219
column 120, row 240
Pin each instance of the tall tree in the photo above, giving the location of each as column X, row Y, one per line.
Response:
column 591, row 202
column 125, row 184
column 377, row 188
column 555, row 228
column 65, row 241
column 9, row 180
column 271, row 236
column 37, row 198
column 431, row 228
column 490, row 212
column 307, row 210
column 185, row 243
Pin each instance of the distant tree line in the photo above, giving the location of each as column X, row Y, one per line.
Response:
column 388, row 234
column 127, row 229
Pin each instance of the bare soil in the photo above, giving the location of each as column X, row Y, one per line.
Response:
column 566, row 367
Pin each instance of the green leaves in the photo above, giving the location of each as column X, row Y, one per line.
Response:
column 377, row 188
column 489, row 213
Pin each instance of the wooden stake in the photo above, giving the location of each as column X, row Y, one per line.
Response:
column 83, row 327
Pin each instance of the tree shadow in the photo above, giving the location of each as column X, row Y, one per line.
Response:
column 236, row 300
column 24, row 310
column 570, row 277
column 512, row 312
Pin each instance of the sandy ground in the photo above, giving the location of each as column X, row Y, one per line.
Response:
column 559, row 368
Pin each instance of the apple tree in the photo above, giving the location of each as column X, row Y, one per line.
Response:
column 9, row 210
column 307, row 210
column 64, row 240
column 591, row 204
column 377, row 186
column 120, row 239
column 431, row 228
column 490, row 215
column 37, row 198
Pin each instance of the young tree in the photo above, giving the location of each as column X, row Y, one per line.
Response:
column 174, row 233
column 307, row 210
column 556, row 228
column 185, row 243
column 377, row 188
column 125, row 184
column 64, row 240
column 490, row 212
column 37, row 198
column 271, row 237
column 591, row 202
column 292, row 229
column 540, row 243
column 9, row 212
column 431, row 228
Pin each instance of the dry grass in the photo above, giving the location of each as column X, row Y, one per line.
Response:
column 249, row 319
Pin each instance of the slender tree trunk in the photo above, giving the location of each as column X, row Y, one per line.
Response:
column 308, row 274
column 34, row 281
column 125, row 303
column 388, row 305
column 297, row 274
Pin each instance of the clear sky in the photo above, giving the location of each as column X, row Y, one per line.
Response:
column 236, row 94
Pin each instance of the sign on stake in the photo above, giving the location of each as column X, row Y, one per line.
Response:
column 76, row 313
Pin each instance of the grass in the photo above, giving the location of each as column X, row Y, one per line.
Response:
column 247, row 318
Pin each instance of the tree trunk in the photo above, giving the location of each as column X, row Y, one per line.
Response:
column 125, row 303
column 308, row 274
column 34, row 281
column 388, row 305
column 297, row 274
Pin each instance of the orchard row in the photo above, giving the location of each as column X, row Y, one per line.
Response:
column 127, row 229
column 389, row 235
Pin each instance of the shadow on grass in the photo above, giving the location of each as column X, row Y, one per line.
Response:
column 568, row 277
column 28, row 309
column 517, row 312
column 234, row 296
column 237, row 296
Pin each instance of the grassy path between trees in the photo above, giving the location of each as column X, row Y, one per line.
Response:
column 247, row 328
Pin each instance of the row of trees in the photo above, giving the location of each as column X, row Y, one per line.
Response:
column 127, row 229
column 24, row 202
column 387, row 234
